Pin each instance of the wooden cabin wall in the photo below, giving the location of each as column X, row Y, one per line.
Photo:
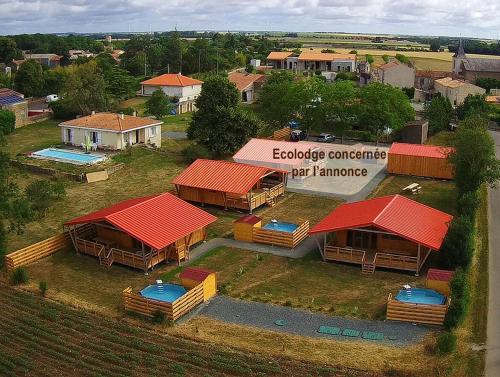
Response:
column 197, row 236
column 420, row 166
column 122, row 240
column 210, row 197
column 384, row 243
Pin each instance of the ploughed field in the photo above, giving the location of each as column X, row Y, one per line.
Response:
column 42, row 338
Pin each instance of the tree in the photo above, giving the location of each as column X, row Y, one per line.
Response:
column 435, row 45
column 54, row 80
column 219, row 124
column 439, row 113
column 402, row 58
column 488, row 83
column 7, row 122
column 29, row 79
column 159, row 104
column 84, row 89
column 385, row 58
column 473, row 105
column 8, row 50
column 458, row 246
column 474, row 155
column 369, row 58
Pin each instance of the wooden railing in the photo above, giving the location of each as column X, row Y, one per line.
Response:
column 259, row 199
column 279, row 238
column 416, row 313
column 134, row 302
column 89, row 247
column 344, row 254
column 401, row 262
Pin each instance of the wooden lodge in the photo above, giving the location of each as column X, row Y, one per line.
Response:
column 420, row 160
column 388, row 232
column 230, row 185
column 140, row 232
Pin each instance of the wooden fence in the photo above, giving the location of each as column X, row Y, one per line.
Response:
column 37, row 251
column 416, row 313
column 279, row 238
column 136, row 303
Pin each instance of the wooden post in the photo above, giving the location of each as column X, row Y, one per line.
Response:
column 250, row 202
column 418, row 261
column 144, row 259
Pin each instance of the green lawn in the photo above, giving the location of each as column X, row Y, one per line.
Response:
column 443, row 138
column 33, row 137
column 176, row 122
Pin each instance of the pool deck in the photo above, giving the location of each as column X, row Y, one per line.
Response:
column 97, row 157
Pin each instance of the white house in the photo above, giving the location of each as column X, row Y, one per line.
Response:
column 184, row 88
column 111, row 131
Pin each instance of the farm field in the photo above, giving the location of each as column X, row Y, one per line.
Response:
column 47, row 339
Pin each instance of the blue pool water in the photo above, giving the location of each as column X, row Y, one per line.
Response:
column 78, row 158
column 421, row 296
column 163, row 292
column 282, row 227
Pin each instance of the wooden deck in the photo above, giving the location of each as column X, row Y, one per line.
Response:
column 416, row 313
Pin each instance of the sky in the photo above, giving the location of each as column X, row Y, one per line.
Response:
column 466, row 18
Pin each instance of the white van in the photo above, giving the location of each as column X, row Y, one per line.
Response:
column 52, row 98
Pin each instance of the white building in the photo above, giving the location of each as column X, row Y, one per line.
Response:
column 183, row 88
column 313, row 61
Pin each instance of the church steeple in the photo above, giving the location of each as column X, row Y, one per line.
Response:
column 460, row 53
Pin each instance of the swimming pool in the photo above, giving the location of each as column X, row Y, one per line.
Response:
column 281, row 226
column 72, row 157
column 163, row 292
column 421, row 296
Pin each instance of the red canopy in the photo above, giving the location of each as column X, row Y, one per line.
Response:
column 157, row 220
column 395, row 214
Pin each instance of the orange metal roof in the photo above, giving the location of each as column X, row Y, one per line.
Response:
column 195, row 273
column 157, row 220
column 395, row 214
column 222, row 176
column 420, row 150
column 325, row 56
column 440, row 275
column 278, row 55
column 243, row 80
column 111, row 122
column 172, row 79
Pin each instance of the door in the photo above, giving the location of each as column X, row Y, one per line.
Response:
column 362, row 240
column 69, row 136
column 137, row 136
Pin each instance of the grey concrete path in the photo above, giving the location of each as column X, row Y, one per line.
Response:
column 305, row 323
column 300, row 251
column 493, row 342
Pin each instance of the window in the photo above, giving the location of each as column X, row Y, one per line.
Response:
column 152, row 131
column 68, row 137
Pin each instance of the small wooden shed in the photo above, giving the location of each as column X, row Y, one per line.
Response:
column 420, row 160
column 439, row 280
column 243, row 227
column 192, row 277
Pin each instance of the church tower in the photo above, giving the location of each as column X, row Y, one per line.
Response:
column 459, row 57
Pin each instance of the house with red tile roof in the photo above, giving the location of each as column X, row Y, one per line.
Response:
column 394, row 73
column 182, row 88
column 388, row 232
column 248, row 84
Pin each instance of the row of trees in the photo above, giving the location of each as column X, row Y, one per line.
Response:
column 336, row 108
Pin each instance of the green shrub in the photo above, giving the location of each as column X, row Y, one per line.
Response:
column 19, row 276
column 468, row 204
column 460, row 297
column 458, row 246
column 128, row 110
column 42, row 286
column 159, row 317
column 446, row 343
column 7, row 122
column 194, row 151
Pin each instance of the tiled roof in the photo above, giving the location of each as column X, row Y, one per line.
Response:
column 278, row 55
column 172, row 79
column 434, row 74
column 451, row 83
column 396, row 214
column 111, row 122
column 420, row 150
column 157, row 220
column 325, row 56
column 243, row 80
column 481, row 65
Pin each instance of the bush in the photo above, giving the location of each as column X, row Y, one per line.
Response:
column 460, row 296
column 159, row 317
column 7, row 122
column 458, row 246
column 62, row 109
column 410, row 92
column 42, row 286
column 446, row 343
column 19, row 276
column 468, row 204
column 194, row 151
column 128, row 110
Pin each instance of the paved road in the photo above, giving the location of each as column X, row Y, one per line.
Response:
column 493, row 341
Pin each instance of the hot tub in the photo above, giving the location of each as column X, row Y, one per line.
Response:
column 163, row 292
column 281, row 226
column 421, row 296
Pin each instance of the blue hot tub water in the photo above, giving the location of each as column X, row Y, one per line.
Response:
column 282, row 227
column 421, row 296
column 163, row 292
column 77, row 158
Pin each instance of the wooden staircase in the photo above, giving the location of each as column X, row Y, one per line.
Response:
column 270, row 201
column 106, row 259
column 368, row 268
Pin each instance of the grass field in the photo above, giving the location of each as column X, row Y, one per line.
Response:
column 176, row 122
column 443, row 138
column 47, row 339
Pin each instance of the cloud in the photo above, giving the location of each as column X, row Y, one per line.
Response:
column 423, row 17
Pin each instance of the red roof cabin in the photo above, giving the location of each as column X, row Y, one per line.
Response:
column 420, row 160
column 390, row 232
column 230, row 184
column 140, row 232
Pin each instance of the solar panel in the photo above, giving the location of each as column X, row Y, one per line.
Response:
column 10, row 100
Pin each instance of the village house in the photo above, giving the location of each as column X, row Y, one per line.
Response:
column 312, row 61
column 456, row 90
column 248, row 84
column 394, row 73
column 183, row 89
column 111, row 131
column 471, row 69
column 48, row 60
column 424, row 83
column 15, row 102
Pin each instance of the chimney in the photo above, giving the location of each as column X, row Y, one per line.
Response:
column 93, row 112
column 122, row 116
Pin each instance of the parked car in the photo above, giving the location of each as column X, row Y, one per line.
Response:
column 297, row 135
column 325, row 138
column 52, row 98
